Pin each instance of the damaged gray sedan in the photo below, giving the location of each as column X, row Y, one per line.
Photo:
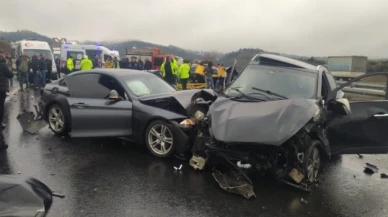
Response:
column 283, row 116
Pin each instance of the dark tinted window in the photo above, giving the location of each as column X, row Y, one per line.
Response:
column 112, row 84
column 92, row 53
column 86, row 86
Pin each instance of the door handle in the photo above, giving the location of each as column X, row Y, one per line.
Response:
column 80, row 105
column 380, row 115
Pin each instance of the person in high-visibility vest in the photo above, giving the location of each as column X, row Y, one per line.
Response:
column 221, row 76
column 184, row 73
column 86, row 64
column 108, row 63
column 200, row 72
column 70, row 64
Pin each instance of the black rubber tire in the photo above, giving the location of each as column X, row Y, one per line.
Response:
column 146, row 142
column 66, row 129
column 315, row 144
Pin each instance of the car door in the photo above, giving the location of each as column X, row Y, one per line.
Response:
column 93, row 114
column 364, row 131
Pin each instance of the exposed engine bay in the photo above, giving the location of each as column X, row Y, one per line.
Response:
column 230, row 134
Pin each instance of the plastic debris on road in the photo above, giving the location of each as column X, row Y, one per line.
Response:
column 178, row 168
column 233, row 185
column 30, row 122
column 197, row 162
column 384, row 176
column 370, row 169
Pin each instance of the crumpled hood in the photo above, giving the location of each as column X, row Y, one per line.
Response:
column 267, row 123
column 183, row 97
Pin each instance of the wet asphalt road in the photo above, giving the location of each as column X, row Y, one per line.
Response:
column 103, row 177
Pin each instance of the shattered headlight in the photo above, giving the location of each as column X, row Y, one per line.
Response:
column 199, row 116
column 187, row 123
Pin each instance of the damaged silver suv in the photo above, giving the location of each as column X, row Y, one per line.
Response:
column 283, row 116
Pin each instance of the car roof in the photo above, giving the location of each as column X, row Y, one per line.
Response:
column 115, row 72
column 281, row 59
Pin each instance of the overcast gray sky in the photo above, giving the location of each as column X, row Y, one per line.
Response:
column 304, row 27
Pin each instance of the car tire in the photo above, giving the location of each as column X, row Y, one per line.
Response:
column 158, row 143
column 312, row 161
column 55, row 120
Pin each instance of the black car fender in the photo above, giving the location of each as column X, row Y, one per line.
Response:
column 61, row 100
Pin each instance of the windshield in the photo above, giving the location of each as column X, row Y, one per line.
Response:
column 148, row 84
column 32, row 52
column 286, row 82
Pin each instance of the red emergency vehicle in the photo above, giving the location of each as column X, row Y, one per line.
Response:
column 151, row 53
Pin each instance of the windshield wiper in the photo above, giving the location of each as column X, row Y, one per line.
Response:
column 269, row 92
column 242, row 94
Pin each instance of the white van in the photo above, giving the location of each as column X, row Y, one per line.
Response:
column 77, row 51
column 31, row 47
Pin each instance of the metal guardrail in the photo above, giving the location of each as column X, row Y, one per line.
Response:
column 364, row 85
column 364, row 91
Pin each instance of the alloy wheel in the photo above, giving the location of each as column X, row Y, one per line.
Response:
column 160, row 139
column 313, row 165
column 56, row 119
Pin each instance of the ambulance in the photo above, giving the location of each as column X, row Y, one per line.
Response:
column 31, row 47
column 78, row 51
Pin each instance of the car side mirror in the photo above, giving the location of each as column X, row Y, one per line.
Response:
column 113, row 95
column 340, row 106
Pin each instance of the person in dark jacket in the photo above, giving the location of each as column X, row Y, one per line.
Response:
column 35, row 68
column 41, row 75
column 58, row 65
column 49, row 64
column 96, row 62
column 209, row 75
column 5, row 75
column 147, row 64
column 140, row 64
column 133, row 64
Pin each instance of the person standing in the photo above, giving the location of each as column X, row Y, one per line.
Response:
column 58, row 65
column 9, row 64
column 184, row 73
column 147, row 64
column 140, row 64
column 108, row 63
column 35, row 68
column 41, row 81
column 209, row 75
column 22, row 68
column 96, row 62
column 116, row 63
column 5, row 75
column 86, row 64
column 168, row 71
column 133, row 64
column 49, row 64
column 70, row 64
column 221, row 76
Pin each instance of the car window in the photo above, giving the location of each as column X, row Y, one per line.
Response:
column 331, row 80
column 86, row 86
column 77, row 55
column 147, row 84
column 288, row 82
column 371, row 88
column 112, row 84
